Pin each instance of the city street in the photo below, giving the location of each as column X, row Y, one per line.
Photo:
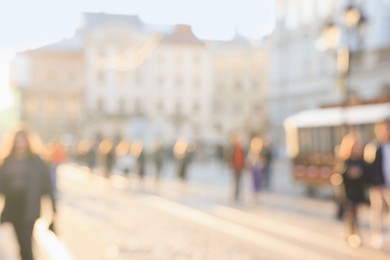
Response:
column 122, row 220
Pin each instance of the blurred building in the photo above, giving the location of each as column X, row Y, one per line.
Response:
column 144, row 83
column 51, row 84
column 124, row 78
column 304, row 76
column 240, row 84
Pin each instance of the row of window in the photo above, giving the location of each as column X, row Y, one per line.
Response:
column 124, row 55
column 237, row 108
column 123, row 78
column 137, row 106
column 52, row 107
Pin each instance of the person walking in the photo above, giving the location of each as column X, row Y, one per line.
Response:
column 256, row 166
column 180, row 151
column 24, row 179
column 57, row 156
column 107, row 151
column 137, row 149
column 379, row 177
column 158, row 157
column 266, row 154
column 237, row 162
column 354, row 177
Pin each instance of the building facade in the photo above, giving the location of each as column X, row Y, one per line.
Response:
column 304, row 76
column 240, row 84
column 137, row 81
column 51, row 84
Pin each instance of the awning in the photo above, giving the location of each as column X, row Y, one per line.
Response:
column 363, row 114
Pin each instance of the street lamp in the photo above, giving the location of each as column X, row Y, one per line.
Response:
column 340, row 38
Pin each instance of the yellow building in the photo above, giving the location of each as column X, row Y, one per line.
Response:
column 50, row 81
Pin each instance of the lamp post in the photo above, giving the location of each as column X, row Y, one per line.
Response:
column 344, row 39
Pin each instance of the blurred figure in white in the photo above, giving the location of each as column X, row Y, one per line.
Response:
column 125, row 159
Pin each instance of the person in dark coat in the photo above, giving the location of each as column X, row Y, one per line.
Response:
column 354, row 176
column 137, row 149
column 379, row 177
column 107, row 151
column 24, row 179
column 159, row 158
column 266, row 153
column 180, row 151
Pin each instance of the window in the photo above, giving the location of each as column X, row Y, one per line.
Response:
column 137, row 106
column 238, row 86
column 197, row 59
column 218, row 107
column 121, row 106
column 178, row 108
column 72, row 76
column 196, row 107
column 51, row 107
column 160, row 80
column 138, row 78
column 159, row 106
column 31, row 106
column 122, row 78
column 179, row 82
column 101, row 76
column 160, row 61
column 51, row 76
column 73, row 107
column 256, row 107
column 237, row 108
column 196, row 81
column 100, row 105
column 256, row 85
column 179, row 61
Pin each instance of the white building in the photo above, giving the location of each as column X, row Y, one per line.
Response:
column 143, row 83
column 240, row 81
column 51, row 84
column 303, row 76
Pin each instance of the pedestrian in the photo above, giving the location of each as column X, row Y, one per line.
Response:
column 137, row 149
column 379, row 177
column 237, row 163
column 126, row 160
column 107, row 151
column 266, row 154
column 159, row 158
column 256, row 165
column 180, row 151
column 354, row 177
column 91, row 156
column 24, row 179
column 57, row 156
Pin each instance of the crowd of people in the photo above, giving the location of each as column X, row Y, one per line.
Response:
column 28, row 172
column 365, row 169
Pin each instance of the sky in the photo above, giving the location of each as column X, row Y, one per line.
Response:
column 27, row 24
